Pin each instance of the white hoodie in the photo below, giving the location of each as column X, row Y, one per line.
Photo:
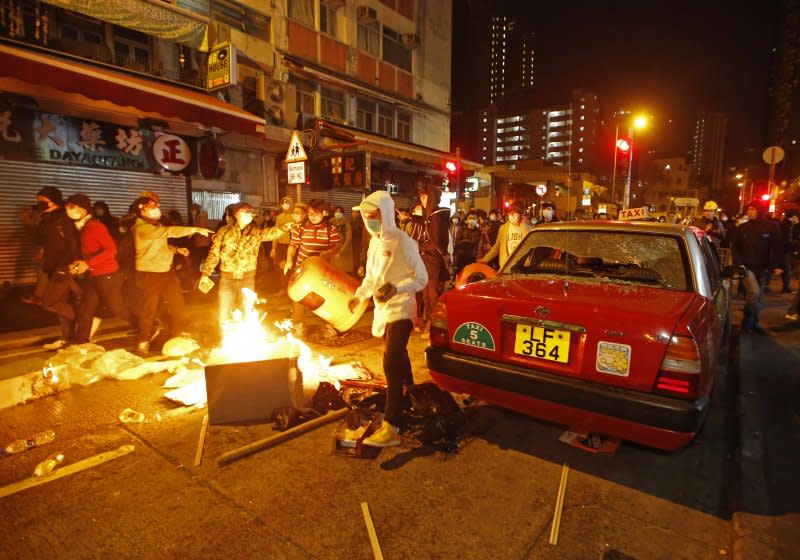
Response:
column 392, row 257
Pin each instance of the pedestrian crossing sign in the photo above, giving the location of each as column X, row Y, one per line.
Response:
column 296, row 152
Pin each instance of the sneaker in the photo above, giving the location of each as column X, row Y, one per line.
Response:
column 386, row 436
column 792, row 316
column 56, row 345
column 143, row 348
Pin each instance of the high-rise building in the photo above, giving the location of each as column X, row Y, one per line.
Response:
column 563, row 134
column 784, row 84
column 708, row 150
column 511, row 56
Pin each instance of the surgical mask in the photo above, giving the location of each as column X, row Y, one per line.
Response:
column 418, row 212
column 515, row 218
column 794, row 219
column 314, row 219
column 297, row 218
column 75, row 214
column 99, row 212
column 492, row 218
column 286, row 207
column 155, row 214
column 548, row 214
column 455, row 221
column 373, row 225
column 244, row 219
column 339, row 216
column 472, row 223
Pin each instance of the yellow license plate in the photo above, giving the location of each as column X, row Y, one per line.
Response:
column 543, row 343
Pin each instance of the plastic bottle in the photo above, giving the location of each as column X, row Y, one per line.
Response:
column 49, row 464
column 35, row 440
column 130, row 416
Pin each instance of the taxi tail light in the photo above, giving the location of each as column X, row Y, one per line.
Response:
column 439, row 335
column 680, row 369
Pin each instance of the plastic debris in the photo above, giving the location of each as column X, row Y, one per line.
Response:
column 114, row 362
column 592, row 442
column 193, row 394
column 130, row 416
column 47, row 466
column 72, row 366
column 19, row 445
column 179, row 346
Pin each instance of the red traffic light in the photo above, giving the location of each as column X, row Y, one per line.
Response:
column 451, row 166
column 766, row 197
column 623, row 145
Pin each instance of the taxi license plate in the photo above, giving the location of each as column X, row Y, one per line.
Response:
column 542, row 342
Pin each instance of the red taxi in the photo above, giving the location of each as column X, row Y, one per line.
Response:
column 608, row 327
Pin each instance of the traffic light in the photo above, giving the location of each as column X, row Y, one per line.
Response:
column 765, row 197
column 451, row 167
column 623, row 145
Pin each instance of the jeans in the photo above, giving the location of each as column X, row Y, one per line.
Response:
column 432, row 290
column 752, row 301
column 230, row 293
column 152, row 287
column 396, row 367
column 56, row 298
column 106, row 289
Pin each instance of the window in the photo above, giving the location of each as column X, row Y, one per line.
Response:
column 327, row 19
column 305, row 97
column 404, row 127
column 131, row 48
column 393, row 51
column 368, row 39
column 385, row 121
column 332, row 105
column 241, row 18
column 365, row 115
column 302, row 11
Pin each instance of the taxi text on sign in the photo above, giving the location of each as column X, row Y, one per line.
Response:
column 634, row 213
column 296, row 152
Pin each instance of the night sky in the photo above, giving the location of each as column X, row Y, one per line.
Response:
column 668, row 58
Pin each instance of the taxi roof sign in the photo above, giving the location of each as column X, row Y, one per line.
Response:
column 296, row 151
column 642, row 213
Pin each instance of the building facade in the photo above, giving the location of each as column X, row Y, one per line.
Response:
column 708, row 150
column 511, row 56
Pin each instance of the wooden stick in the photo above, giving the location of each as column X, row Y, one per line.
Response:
column 65, row 471
column 562, row 487
column 373, row 536
column 198, row 456
column 265, row 443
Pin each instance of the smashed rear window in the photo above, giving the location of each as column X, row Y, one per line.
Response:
column 623, row 257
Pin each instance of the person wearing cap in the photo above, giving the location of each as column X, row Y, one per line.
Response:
column 509, row 236
column 394, row 273
column 235, row 249
column 710, row 223
column 60, row 244
column 280, row 246
column 104, row 279
column 155, row 276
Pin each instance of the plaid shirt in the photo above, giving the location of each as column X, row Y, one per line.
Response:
column 236, row 250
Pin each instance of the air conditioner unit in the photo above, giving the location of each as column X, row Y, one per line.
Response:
column 410, row 40
column 367, row 14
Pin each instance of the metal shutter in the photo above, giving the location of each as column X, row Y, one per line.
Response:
column 20, row 181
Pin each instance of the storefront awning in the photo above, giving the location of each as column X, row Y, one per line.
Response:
column 152, row 17
column 101, row 84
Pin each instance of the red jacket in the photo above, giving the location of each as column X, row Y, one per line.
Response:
column 99, row 249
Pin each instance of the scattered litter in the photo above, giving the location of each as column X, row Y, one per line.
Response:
column 114, row 362
column 184, row 376
column 130, row 416
column 435, row 418
column 591, row 442
column 193, row 394
column 562, row 488
column 72, row 366
column 288, row 417
column 19, row 445
column 179, row 346
column 327, row 398
column 47, row 466
column 373, row 536
column 65, row 471
column 198, row 456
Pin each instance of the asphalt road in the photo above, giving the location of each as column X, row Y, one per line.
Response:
column 494, row 498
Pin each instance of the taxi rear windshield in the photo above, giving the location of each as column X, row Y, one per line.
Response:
column 636, row 258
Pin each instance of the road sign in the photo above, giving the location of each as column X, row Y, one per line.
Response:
column 297, row 172
column 541, row 190
column 773, row 155
column 296, row 151
column 634, row 213
column 693, row 202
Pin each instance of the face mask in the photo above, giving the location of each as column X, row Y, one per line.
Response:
column 42, row 205
column 418, row 212
column 455, row 221
column 339, row 216
column 515, row 218
column 155, row 214
column 492, row 218
column 297, row 218
column 244, row 219
column 75, row 214
column 99, row 212
column 472, row 223
column 373, row 226
column 794, row 220
column 286, row 207
column 548, row 214
column 314, row 219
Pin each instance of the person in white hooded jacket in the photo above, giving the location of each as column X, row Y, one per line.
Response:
column 394, row 274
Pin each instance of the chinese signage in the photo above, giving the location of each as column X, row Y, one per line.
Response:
column 221, row 67
column 340, row 171
column 297, row 172
column 28, row 134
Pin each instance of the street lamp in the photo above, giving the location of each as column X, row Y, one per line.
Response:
column 639, row 122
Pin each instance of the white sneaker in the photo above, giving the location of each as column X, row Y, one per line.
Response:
column 55, row 345
column 386, row 436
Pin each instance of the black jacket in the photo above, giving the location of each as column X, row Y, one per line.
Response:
column 757, row 245
column 59, row 238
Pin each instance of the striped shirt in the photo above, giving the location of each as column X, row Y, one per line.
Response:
column 311, row 240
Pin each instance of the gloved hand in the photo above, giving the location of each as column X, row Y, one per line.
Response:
column 205, row 284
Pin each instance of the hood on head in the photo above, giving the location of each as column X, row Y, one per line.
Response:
column 383, row 201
